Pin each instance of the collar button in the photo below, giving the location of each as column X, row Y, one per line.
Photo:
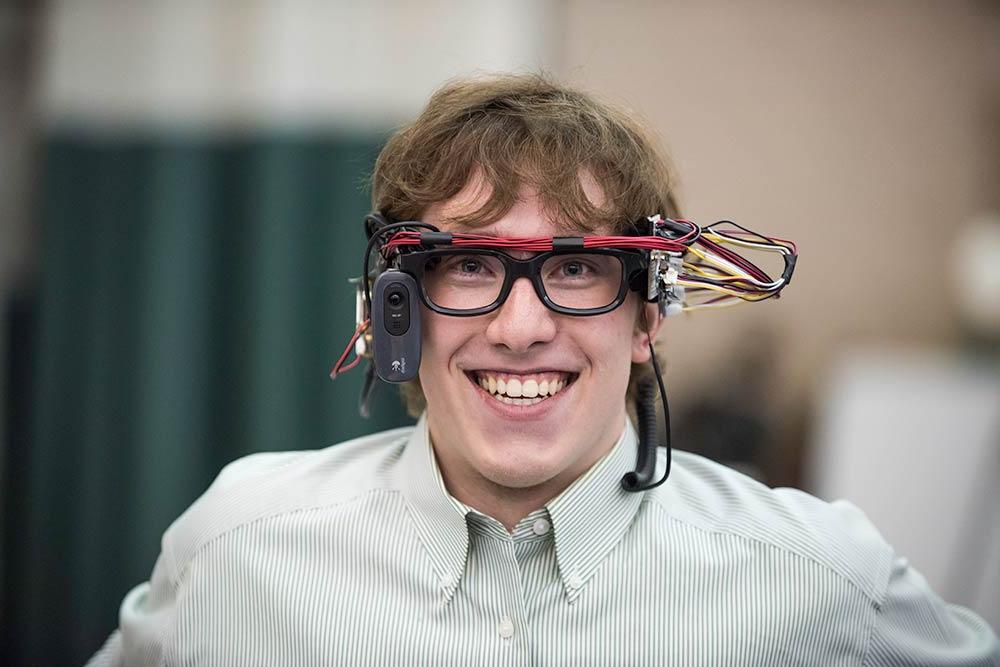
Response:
column 541, row 526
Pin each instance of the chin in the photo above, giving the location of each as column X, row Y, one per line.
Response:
column 520, row 465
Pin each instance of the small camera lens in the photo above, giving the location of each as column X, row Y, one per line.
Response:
column 395, row 300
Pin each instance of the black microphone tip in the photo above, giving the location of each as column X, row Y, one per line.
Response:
column 630, row 481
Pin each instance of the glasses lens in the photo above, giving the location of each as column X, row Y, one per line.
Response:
column 464, row 281
column 582, row 281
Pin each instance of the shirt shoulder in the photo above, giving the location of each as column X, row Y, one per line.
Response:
column 837, row 536
column 269, row 484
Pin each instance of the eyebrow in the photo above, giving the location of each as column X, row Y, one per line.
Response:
column 560, row 231
column 465, row 229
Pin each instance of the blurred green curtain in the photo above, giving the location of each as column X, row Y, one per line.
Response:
column 194, row 294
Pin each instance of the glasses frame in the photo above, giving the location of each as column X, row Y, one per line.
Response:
column 634, row 264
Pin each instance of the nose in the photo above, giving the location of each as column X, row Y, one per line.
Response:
column 522, row 320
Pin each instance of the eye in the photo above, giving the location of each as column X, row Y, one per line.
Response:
column 575, row 268
column 471, row 267
column 581, row 270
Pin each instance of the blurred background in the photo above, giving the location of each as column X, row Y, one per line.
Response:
column 181, row 192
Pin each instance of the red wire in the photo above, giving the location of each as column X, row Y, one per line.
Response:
column 736, row 259
column 339, row 367
column 545, row 243
column 349, row 366
column 541, row 243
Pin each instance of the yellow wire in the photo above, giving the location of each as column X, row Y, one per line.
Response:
column 719, row 304
column 711, row 260
column 756, row 245
column 723, row 290
column 716, row 276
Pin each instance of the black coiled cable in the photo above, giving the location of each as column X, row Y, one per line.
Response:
column 641, row 479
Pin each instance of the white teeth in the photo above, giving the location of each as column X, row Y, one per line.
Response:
column 518, row 401
column 529, row 389
column 518, row 391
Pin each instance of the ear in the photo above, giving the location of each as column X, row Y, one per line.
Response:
column 650, row 325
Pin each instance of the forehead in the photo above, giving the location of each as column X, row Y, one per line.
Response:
column 527, row 217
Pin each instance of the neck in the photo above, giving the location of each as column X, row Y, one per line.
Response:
column 508, row 505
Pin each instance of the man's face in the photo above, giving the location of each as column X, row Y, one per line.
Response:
column 581, row 364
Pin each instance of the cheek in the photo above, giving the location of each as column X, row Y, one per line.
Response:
column 431, row 347
column 442, row 336
column 442, row 332
column 609, row 344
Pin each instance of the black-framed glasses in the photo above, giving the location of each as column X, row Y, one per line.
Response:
column 475, row 281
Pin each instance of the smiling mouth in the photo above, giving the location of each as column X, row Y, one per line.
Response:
column 518, row 389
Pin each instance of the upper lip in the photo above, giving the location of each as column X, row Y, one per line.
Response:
column 521, row 371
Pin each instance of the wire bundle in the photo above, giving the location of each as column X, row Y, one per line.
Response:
column 529, row 244
column 716, row 276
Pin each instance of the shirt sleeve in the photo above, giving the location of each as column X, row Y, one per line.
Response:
column 145, row 619
column 147, row 614
column 913, row 626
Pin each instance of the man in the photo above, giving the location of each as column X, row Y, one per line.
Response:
column 498, row 531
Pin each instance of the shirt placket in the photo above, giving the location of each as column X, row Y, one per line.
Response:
column 504, row 612
column 532, row 543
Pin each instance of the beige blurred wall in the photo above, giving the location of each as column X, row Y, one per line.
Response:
column 867, row 132
column 263, row 65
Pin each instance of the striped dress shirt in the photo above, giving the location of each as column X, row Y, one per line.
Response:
column 357, row 555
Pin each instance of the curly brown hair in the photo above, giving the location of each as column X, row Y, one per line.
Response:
column 515, row 130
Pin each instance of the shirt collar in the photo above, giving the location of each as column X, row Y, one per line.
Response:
column 440, row 521
column 593, row 514
column 588, row 519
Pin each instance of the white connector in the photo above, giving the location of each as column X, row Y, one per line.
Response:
column 664, row 271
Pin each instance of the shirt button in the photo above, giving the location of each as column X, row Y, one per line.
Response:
column 574, row 581
column 541, row 526
column 448, row 581
column 505, row 628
